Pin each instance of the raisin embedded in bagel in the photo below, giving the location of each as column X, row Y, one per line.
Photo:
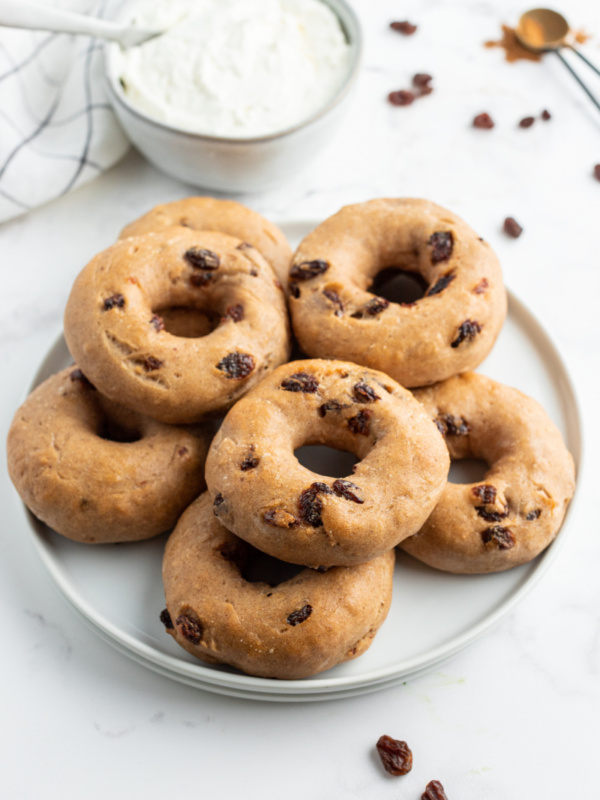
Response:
column 264, row 495
column 115, row 331
column 517, row 509
column 449, row 330
column 297, row 628
column 97, row 472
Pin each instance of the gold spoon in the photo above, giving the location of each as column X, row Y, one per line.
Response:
column 543, row 30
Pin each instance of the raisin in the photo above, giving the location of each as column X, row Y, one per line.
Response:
column 182, row 451
column 361, row 423
column 114, row 301
column 347, row 489
column 512, row 228
column 217, row 503
column 442, row 244
column 331, row 405
column 421, row 79
column 448, row 425
column 150, row 363
column 498, row 536
column 441, row 284
column 301, row 615
column 250, row 461
column 405, row 27
column 77, row 375
column 376, row 306
column 166, row 620
column 235, row 312
column 597, row 172
column 294, row 290
column 526, row 122
column 280, row 519
column 301, row 382
column 533, row 514
column 357, row 315
column 423, row 90
column 363, row 393
column 254, row 272
column 491, row 516
column 308, row 269
column 198, row 258
column 401, row 98
column 236, row 365
column 200, row 278
column 311, row 505
column 546, row 115
column 158, row 323
column 483, row 121
column 336, row 300
column 189, row 628
column 482, row 286
column 434, row 791
column 485, row 492
column 467, row 331
column 244, row 246
column 396, row 756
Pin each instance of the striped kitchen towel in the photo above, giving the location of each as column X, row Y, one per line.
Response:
column 57, row 130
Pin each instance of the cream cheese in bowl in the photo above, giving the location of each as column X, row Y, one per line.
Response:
column 235, row 68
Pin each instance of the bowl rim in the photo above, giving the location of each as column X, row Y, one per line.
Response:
column 354, row 37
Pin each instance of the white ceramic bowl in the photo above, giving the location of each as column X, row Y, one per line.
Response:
column 228, row 164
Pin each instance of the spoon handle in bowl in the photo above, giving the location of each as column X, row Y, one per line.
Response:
column 577, row 78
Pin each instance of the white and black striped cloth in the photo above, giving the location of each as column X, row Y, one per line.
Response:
column 57, row 130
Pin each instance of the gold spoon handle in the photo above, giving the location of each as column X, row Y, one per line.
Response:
column 584, row 59
column 577, row 78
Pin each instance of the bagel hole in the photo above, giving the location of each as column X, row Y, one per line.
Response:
column 188, row 322
column 113, row 431
column 398, row 285
column 259, row 567
column 327, row 461
column 467, row 470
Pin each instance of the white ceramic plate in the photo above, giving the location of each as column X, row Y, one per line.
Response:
column 118, row 588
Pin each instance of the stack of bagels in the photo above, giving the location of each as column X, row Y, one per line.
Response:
column 182, row 411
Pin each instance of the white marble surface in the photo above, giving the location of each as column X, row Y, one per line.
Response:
column 516, row 715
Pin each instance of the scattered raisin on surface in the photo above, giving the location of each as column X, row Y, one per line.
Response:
column 331, row 405
column 449, row 425
column 421, row 79
column 235, row 312
column 434, row 791
column 254, row 272
column 311, row 505
column 482, row 286
column 217, row 503
column 158, row 323
column 301, row 615
column 491, row 516
column 334, row 298
column 405, row 27
column 199, row 258
column 357, row 315
column 441, row 284
column 526, row 122
column 166, row 620
column 301, row 382
column 200, row 278
column 442, row 244
column 535, row 514
column 236, row 365
column 189, row 628
column 348, row 490
column 150, row 363
column 182, row 451
column 363, row 393
column 512, row 228
column 114, row 301
column 483, row 121
column 546, row 115
column 403, row 97
column 308, row 269
column 77, row 375
column 376, row 306
column 250, row 460
column 485, row 492
column 467, row 331
column 361, row 423
column 294, row 290
column 396, row 756
column 597, row 172
column 501, row 537
column 280, row 518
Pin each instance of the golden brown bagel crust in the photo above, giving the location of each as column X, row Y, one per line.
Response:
column 91, row 489
column 517, row 509
column 115, row 332
column 264, row 495
column 224, row 216
column 451, row 329
column 300, row 627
